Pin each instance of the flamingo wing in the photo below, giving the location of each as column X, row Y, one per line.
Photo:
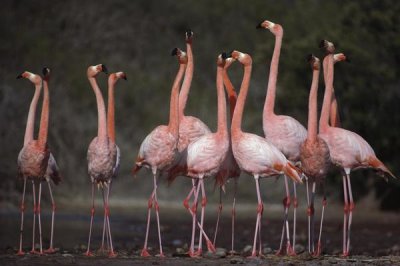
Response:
column 52, row 171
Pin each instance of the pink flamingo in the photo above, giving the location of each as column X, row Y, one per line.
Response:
column 347, row 149
column 35, row 161
column 102, row 157
column 229, row 168
column 314, row 156
column 206, row 155
column 112, row 80
column 255, row 155
column 285, row 132
column 159, row 149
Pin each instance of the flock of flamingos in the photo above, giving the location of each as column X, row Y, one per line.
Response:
column 187, row 147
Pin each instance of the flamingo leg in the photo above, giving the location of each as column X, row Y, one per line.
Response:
column 351, row 208
column 192, row 191
column 102, row 248
column 39, row 218
column 111, row 254
column 34, row 217
column 193, row 211
column 233, row 215
column 319, row 248
column 88, row 253
column 144, row 252
column 313, row 217
column 260, row 208
column 295, row 204
column 286, row 205
column 203, row 206
column 218, row 215
column 22, row 208
column 345, row 216
column 51, row 249
column 157, row 207
column 308, row 216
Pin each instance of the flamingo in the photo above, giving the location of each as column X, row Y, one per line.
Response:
column 314, row 156
column 229, row 168
column 285, row 132
column 112, row 80
column 159, row 149
column 348, row 150
column 206, row 155
column 35, row 161
column 102, row 158
column 255, row 155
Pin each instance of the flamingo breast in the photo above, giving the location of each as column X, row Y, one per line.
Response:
column 101, row 160
column 32, row 161
column 315, row 159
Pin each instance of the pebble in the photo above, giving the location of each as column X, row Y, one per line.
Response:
column 299, row 248
column 247, row 248
column 220, row 252
column 268, row 250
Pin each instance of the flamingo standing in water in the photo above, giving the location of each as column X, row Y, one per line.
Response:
column 159, row 149
column 102, row 157
column 347, row 149
column 112, row 80
column 35, row 161
column 229, row 168
column 285, row 132
column 255, row 155
column 314, row 156
column 206, row 155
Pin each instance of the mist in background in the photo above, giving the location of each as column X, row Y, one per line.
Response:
column 137, row 37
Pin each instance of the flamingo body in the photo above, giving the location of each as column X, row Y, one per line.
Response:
column 102, row 159
column 33, row 161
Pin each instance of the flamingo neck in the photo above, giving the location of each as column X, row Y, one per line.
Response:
column 273, row 75
column 187, row 81
column 111, row 111
column 312, row 108
column 101, row 110
column 326, row 105
column 44, row 119
column 222, row 123
column 231, row 93
column 173, row 124
column 238, row 113
column 30, row 124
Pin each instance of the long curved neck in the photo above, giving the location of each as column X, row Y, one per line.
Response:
column 326, row 105
column 111, row 111
column 30, row 123
column 238, row 113
column 187, row 81
column 44, row 119
column 173, row 124
column 273, row 74
column 334, row 118
column 101, row 110
column 222, row 123
column 312, row 108
column 231, row 92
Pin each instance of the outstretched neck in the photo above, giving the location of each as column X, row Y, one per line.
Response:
column 238, row 113
column 187, row 81
column 326, row 105
column 231, row 93
column 44, row 119
column 173, row 124
column 222, row 123
column 111, row 111
column 101, row 110
column 30, row 124
column 273, row 75
column 312, row 108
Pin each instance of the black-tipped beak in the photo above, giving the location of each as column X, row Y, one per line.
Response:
column 125, row 78
column 104, row 69
column 322, row 44
column 259, row 25
column 309, row 58
column 348, row 60
column 46, row 71
column 226, row 55
column 20, row 76
column 189, row 33
column 174, row 52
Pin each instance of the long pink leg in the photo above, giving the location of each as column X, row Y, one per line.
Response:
column 193, row 211
column 233, row 216
column 34, row 217
column 309, row 210
column 111, row 254
column 218, row 215
column 39, row 218
column 351, row 208
column 192, row 191
column 319, row 248
column 286, row 205
column 53, row 210
column 260, row 208
column 345, row 215
column 102, row 248
column 88, row 253
column 313, row 217
column 203, row 206
column 157, row 207
column 145, row 252
column 295, row 204
column 22, row 208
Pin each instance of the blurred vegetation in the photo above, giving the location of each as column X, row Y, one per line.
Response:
column 136, row 37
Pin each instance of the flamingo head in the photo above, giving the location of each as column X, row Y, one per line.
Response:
column 228, row 62
column 46, row 73
column 314, row 61
column 182, row 57
column 114, row 77
column 340, row 57
column 35, row 79
column 221, row 60
column 189, row 35
column 94, row 70
column 276, row 29
column 243, row 58
column 327, row 46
